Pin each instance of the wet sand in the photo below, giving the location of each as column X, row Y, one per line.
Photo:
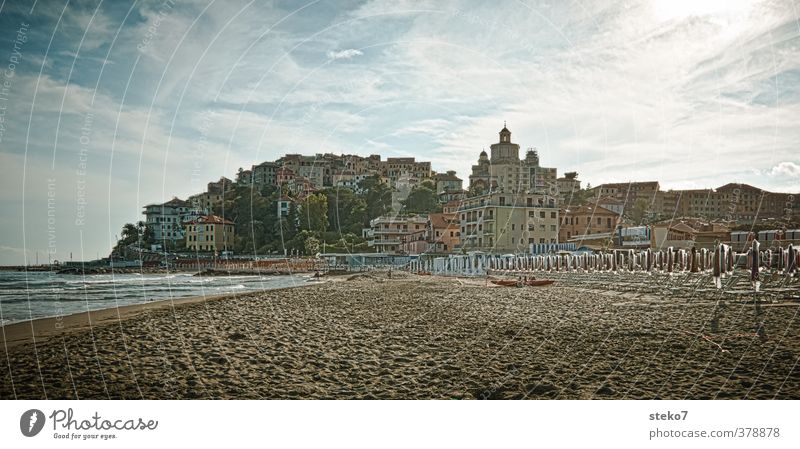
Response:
column 411, row 337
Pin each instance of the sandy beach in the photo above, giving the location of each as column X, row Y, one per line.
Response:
column 411, row 337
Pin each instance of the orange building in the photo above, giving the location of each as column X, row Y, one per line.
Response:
column 209, row 233
column 444, row 232
column 586, row 220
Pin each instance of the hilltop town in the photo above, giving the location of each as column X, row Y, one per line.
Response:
column 510, row 203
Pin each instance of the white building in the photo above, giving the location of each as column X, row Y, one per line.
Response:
column 167, row 220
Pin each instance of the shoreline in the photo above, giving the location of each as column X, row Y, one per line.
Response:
column 26, row 331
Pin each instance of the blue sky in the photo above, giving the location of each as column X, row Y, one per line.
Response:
column 156, row 98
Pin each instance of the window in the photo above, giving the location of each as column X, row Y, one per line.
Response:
column 502, row 201
column 599, row 220
column 541, row 214
column 552, row 215
column 513, row 226
column 552, row 227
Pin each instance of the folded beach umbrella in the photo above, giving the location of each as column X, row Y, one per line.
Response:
column 755, row 262
column 769, row 261
column 731, row 259
column 670, row 258
column 717, row 266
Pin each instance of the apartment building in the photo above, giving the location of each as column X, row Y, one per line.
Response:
column 581, row 221
column 508, row 223
column 398, row 234
column 447, row 182
column 265, row 174
column 629, row 192
column 398, row 167
column 209, row 233
column 444, row 232
column 166, row 219
column 314, row 168
column 741, row 203
column 568, row 185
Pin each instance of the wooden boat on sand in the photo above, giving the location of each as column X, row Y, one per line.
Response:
column 538, row 282
column 505, row 282
column 516, row 283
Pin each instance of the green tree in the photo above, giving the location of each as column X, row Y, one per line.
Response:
column 476, row 189
column 285, row 230
column 314, row 213
column 347, row 212
column 311, row 246
column 130, row 234
column 422, row 199
column 377, row 196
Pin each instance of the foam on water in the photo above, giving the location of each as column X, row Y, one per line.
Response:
column 41, row 294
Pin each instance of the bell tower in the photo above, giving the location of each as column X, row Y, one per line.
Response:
column 505, row 151
column 505, row 134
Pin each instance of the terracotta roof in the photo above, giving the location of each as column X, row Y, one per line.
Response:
column 174, row 202
column 211, row 219
column 683, row 227
column 442, row 220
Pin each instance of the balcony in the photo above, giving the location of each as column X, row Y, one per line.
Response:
column 387, row 242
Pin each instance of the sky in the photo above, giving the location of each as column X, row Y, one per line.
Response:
column 106, row 106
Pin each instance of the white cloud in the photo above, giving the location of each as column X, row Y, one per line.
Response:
column 785, row 169
column 344, row 54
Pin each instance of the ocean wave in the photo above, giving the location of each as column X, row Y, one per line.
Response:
column 121, row 280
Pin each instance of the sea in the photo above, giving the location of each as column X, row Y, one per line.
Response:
column 30, row 295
